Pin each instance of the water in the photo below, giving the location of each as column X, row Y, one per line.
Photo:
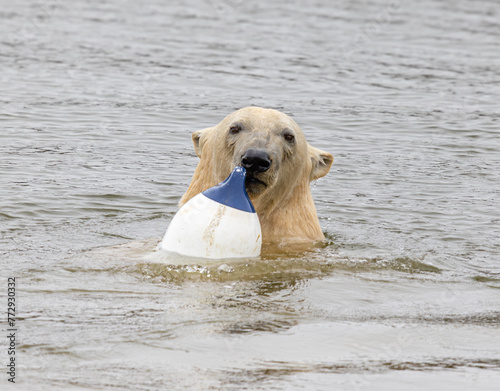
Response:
column 98, row 101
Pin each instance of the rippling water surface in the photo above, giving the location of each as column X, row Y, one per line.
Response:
column 97, row 104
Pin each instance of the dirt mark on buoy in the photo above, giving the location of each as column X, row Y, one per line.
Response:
column 209, row 234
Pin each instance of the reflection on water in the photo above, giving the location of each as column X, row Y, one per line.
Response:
column 98, row 103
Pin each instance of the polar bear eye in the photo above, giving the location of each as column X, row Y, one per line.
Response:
column 235, row 129
column 289, row 137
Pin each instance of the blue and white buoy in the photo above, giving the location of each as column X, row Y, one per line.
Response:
column 219, row 223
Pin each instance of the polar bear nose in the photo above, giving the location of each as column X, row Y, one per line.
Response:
column 256, row 160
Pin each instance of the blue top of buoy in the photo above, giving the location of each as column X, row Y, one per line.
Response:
column 232, row 191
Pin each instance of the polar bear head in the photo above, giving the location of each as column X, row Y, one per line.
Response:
column 272, row 148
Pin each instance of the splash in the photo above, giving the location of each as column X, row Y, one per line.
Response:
column 145, row 259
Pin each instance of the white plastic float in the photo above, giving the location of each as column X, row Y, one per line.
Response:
column 219, row 223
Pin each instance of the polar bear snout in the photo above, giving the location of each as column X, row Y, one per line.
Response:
column 256, row 160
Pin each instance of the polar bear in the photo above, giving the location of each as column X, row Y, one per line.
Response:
column 280, row 165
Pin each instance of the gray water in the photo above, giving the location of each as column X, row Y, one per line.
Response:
column 97, row 104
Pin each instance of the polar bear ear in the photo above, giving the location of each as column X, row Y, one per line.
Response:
column 199, row 138
column 321, row 162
